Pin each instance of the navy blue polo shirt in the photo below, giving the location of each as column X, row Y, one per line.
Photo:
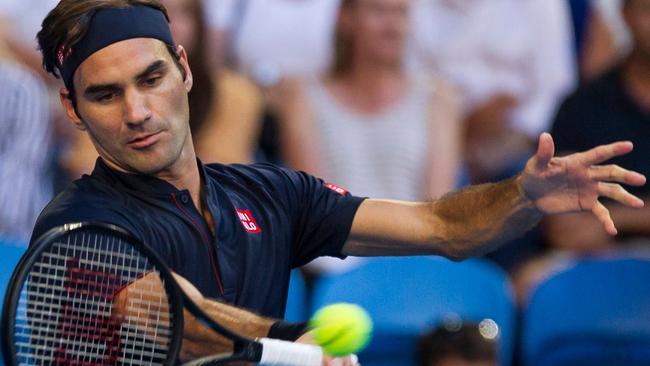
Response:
column 268, row 220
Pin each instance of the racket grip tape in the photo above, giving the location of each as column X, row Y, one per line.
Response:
column 276, row 352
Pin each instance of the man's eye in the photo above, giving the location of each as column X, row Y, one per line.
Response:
column 105, row 97
column 152, row 81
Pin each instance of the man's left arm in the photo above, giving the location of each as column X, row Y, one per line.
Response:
column 477, row 219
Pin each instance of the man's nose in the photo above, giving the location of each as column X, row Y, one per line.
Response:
column 136, row 108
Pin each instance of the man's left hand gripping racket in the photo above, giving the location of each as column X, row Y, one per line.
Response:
column 65, row 306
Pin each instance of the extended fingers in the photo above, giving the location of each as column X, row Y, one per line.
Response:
column 618, row 193
column 614, row 173
column 602, row 213
column 604, row 152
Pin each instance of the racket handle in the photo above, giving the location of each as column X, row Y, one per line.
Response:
column 282, row 353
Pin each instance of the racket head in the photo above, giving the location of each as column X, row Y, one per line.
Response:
column 66, row 302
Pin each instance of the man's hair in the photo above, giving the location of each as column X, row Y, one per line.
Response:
column 67, row 24
column 466, row 343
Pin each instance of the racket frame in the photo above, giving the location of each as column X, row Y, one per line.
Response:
column 18, row 278
column 244, row 349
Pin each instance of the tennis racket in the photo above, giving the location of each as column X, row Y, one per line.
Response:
column 66, row 305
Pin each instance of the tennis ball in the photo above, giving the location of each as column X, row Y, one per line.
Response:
column 341, row 329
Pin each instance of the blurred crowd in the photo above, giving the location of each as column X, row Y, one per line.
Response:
column 402, row 99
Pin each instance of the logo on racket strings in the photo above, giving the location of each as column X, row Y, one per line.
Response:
column 86, row 316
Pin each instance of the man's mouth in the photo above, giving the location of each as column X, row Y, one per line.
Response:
column 144, row 141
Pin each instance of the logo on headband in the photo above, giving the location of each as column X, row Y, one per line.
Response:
column 63, row 54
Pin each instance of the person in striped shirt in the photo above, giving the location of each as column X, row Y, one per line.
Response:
column 24, row 150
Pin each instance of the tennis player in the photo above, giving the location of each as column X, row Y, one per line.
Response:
column 235, row 231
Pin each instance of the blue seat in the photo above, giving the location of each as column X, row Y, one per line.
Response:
column 10, row 253
column 408, row 296
column 296, row 310
column 595, row 313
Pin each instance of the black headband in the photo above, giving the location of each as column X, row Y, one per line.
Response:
column 111, row 25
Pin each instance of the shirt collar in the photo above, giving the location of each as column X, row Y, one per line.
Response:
column 139, row 182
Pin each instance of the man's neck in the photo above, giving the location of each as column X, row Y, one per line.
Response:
column 185, row 175
column 637, row 78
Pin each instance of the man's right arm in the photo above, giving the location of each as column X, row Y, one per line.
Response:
column 477, row 219
column 198, row 340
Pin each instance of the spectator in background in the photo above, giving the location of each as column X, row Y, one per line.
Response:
column 616, row 106
column 611, row 12
column 25, row 184
column 465, row 346
column 513, row 61
column 225, row 107
column 5, row 53
column 273, row 39
column 19, row 22
column 218, row 15
column 595, row 45
column 368, row 125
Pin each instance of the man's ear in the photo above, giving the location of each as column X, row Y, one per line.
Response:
column 188, row 80
column 64, row 96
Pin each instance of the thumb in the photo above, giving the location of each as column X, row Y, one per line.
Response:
column 545, row 150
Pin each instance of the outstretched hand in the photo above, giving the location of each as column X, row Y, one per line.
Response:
column 575, row 182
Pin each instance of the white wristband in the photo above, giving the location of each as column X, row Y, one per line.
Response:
column 282, row 353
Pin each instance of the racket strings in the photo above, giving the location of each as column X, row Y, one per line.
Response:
column 92, row 299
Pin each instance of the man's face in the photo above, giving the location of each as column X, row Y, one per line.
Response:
column 132, row 100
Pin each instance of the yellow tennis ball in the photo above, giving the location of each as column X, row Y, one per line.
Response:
column 341, row 329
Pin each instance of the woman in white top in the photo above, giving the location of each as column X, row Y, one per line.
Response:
column 368, row 125
column 513, row 62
